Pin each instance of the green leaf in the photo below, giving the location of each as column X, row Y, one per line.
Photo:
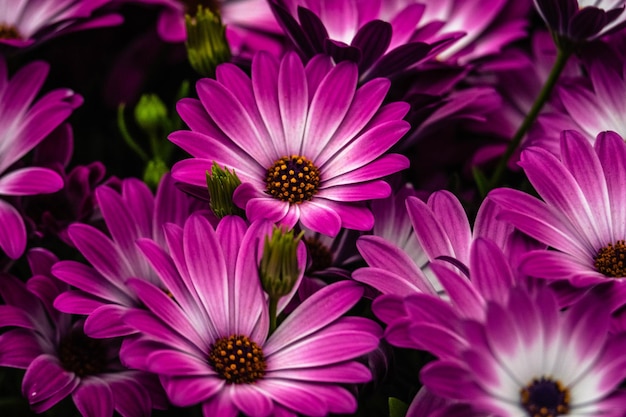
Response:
column 481, row 182
column 397, row 408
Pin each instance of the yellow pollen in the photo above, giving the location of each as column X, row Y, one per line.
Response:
column 611, row 260
column 237, row 359
column 293, row 179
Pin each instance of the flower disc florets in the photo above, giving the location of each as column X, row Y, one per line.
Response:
column 237, row 359
column 82, row 355
column 610, row 260
column 319, row 254
column 9, row 32
column 545, row 397
column 293, row 178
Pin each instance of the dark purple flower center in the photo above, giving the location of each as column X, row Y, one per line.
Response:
column 82, row 355
column 237, row 359
column 545, row 397
column 293, row 178
column 319, row 254
column 191, row 6
column 9, row 32
column 611, row 260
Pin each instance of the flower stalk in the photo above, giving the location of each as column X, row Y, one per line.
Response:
column 279, row 269
column 563, row 54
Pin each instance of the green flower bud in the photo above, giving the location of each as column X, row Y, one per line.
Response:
column 206, row 41
column 279, row 269
column 151, row 114
column 153, row 173
column 221, row 184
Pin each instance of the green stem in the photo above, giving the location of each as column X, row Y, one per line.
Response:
column 273, row 306
column 560, row 62
column 121, row 123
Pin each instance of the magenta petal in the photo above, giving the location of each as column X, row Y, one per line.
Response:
column 132, row 394
column 324, row 347
column 333, row 300
column 175, row 363
column 219, row 405
column 101, row 252
column 386, row 282
column 12, row 231
column 90, row 281
column 264, row 208
column 77, row 302
column 18, row 348
column 93, row 397
column 298, row 397
column 429, row 231
column 320, row 218
column 330, row 103
column 46, row 382
column 265, row 86
column 235, row 120
column 491, row 273
column 345, row 372
column 207, row 270
column 166, row 269
column 188, row 391
column 365, row 104
column 449, row 380
column 169, row 312
column 293, row 97
column 382, row 255
column 246, row 313
column 107, row 321
column 14, row 316
column 356, row 192
column 250, row 400
column 29, row 181
column 353, row 215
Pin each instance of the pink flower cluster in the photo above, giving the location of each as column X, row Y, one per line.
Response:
column 313, row 208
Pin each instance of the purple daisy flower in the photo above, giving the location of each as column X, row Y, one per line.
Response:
column 386, row 37
column 26, row 123
column 217, row 317
column 100, row 289
column 250, row 24
column 589, row 105
column 24, row 22
column 531, row 358
column 377, row 39
column 307, row 144
column 581, row 214
column 519, row 86
column 439, row 232
column 426, row 321
column 582, row 20
column 59, row 359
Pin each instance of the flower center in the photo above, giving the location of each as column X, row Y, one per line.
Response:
column 320, row 255
column 545, row 397
column 293, row 178
column 9, row 32
column 82, row 355
column 610, row 260
column 191, row 6
column 237, row 359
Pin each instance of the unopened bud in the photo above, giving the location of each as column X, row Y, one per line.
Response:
column 279, row 269
column 221, row 184
column 153, row 173
column 206, row 41
column 151, row 113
